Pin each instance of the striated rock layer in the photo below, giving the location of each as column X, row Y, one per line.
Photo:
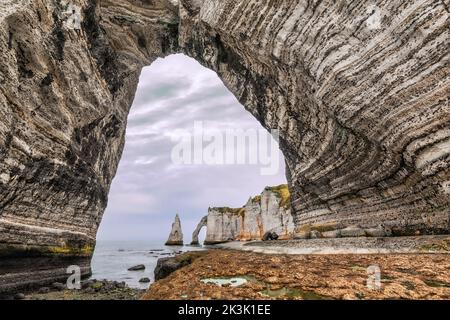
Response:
column 362, row 108
column 268, row 212
column 358, row 89
column 64, row 102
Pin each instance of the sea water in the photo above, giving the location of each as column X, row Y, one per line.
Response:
column 112, row 259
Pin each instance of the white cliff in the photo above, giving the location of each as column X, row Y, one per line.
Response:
column 268, row 212
column 176, row 234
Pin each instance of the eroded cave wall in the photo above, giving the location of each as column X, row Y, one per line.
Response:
column 64, row 105
column 359, row 91
column 64, row 101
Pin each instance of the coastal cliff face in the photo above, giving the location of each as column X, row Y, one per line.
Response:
column 268, row 212
column 358, row 90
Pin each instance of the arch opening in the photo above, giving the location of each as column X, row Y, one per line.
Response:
column 172, row 95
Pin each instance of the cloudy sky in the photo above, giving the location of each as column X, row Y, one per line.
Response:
column 150, row 188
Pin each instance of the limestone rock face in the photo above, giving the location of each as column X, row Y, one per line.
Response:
column 268, row 212
column 358, row 90
column 176, row 234
column 64, row 102
column 223, row 225
column 203, row 223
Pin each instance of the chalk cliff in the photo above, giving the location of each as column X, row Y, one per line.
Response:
column 176, row 233
column 358, row 89
column 268, row 212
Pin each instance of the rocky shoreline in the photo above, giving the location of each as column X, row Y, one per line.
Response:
column 237, row 275
column 243, row 272
column 90, row 290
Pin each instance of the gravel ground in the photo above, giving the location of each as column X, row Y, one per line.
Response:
column 420, row 244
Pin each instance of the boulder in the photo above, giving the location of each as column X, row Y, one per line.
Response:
column 44, row 290
column 145, row 280
column 19, row 296
column 139, row 267
column 87, row 283
column 269, row 236
column 167, row 266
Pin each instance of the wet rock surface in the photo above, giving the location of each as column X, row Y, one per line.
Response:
column 306, row 277
column 167, row 266
column 90, row 290
column 145, row 280
column 270, row 236
column 139, row 267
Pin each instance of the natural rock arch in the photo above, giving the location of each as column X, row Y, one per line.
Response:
column 362, row 109
column 202, row 224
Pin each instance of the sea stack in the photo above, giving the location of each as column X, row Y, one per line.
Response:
column 176, row 235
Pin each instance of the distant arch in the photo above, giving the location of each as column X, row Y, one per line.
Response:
column 203, row 223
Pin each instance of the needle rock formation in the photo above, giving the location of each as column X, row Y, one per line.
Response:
column 176, row 234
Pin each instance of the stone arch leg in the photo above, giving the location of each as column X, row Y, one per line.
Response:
column 203, row 223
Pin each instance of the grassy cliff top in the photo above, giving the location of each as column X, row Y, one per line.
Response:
column 282, row 192
column 234, row 211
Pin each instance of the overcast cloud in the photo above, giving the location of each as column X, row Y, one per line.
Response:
column 149, row 189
